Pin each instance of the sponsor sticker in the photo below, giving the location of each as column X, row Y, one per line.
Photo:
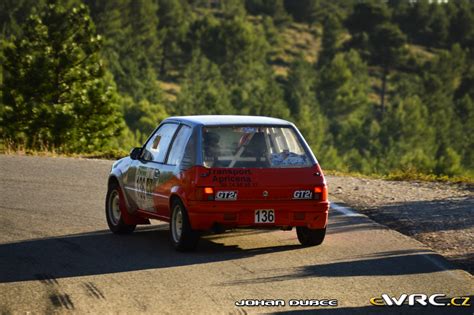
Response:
column 226, row 195
column 303, row 194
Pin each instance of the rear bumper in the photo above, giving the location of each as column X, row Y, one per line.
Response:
column 205, row 214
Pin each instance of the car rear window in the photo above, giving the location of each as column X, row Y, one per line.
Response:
column 262, row 146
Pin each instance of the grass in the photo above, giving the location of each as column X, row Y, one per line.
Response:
column 107, row 155
column 404, row 175
column 170, row 89
column 420, row 52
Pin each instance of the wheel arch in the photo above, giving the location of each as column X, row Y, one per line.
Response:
column 113, row 179
column 173, row 198
column 177, row 193
column 129, row 218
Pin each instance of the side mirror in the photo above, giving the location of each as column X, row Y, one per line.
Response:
column 135, row 153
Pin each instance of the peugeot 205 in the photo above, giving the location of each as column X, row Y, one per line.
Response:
column 204, row 173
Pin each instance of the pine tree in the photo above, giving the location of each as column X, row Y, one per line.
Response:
column 132, row 45
column 143, row 20
column 387, row 50
column 174, row 22
column 275, row 9
column 13, row 13
column 140, row 53
column 110, row 24
column 419, row 20
column 438, row 26
column 366, row 16
column 461, row 26
column 408, row 141
column 203, row 90
column 232, row 8
column 303, row 105
column 342, row 92
column 262, row 96
column 464, row 108
column 142, row 117
column 331, row 41
column 442, row 77
column 56, row 91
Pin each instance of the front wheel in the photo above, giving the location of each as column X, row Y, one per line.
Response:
column 113, row 212
column 183, row 237
column 310, row 237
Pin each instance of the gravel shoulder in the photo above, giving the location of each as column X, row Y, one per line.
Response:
column 440, row 215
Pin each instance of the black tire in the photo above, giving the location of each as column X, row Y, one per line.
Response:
column 114, row 218
column 187, row 239
column 310, row 237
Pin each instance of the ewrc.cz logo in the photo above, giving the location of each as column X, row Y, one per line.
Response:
column 421, row 299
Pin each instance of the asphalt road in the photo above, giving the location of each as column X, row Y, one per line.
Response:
column 57, row 256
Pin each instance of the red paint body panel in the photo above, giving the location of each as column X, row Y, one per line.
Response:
column 256, row 188
column 128, row 218
column 203, row 214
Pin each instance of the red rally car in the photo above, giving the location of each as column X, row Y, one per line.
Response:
column 220, row 172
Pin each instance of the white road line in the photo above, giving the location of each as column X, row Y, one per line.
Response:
column 442, row 266
column 435, row 261
column 345, row 211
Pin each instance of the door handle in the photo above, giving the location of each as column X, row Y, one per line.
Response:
column 156, row 173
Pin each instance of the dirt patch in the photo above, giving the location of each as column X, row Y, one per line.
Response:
column 439, row 215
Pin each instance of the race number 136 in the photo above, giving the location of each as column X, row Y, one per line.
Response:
column 265, row 216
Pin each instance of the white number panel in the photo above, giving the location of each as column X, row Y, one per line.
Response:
column 265, row 216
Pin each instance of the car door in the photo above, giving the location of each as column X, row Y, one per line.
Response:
column 170, row 171
column 149, row 167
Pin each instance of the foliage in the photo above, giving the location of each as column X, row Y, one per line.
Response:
column 303, row 104
column 388, row 86
column 202, row 89
column 56, row 91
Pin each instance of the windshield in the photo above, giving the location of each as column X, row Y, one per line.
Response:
column 265, row 146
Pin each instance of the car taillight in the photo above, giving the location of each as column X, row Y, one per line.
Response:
column 205, row 193
column 320, row 193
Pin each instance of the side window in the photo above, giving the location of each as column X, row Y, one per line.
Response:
column 189, row 157
column 156, row 148
column 178, row 146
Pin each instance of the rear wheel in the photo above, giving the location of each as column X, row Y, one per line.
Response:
column 310, row 237
column 113, row 212
column 183, row 237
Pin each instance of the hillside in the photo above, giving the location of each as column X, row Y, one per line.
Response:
column 376, row 88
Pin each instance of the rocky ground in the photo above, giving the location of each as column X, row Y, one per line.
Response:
column 440, row 215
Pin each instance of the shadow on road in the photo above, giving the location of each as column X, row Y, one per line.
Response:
column 429, row 221
column 339, row 223
column 102, row 252
column 383, row 264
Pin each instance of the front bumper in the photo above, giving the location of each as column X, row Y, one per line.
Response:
column 230, row 214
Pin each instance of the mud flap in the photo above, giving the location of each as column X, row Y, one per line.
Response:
column 128, row 218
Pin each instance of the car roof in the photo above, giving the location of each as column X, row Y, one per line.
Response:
column 219, row 120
